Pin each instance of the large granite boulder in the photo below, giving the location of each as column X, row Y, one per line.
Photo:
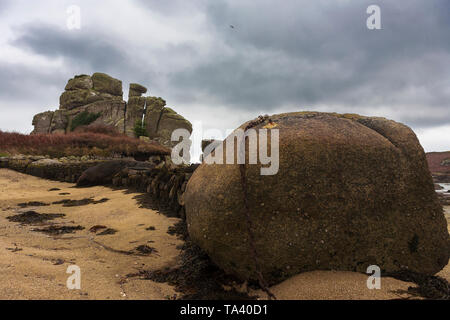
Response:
column 42, row 122
column 76, row 98
column 155, row 106
column 351, row 191
column 103, row 173
column 136, row 90
column 83, row 90
column 161, row 121
column 80, row 82
column 169, row 122
column 106, row 84
column 100, row 94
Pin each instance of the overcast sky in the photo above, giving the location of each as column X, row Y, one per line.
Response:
column 281, row 56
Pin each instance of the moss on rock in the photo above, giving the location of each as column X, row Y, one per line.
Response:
column 107, row 84
column 351, row 191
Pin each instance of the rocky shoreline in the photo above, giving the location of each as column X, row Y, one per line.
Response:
column 194, row 276
column 160, row 179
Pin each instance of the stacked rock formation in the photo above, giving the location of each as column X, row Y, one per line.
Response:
column 101, row 95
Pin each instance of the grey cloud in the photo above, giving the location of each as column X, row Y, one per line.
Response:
column 172, row 7
column 4, row 4
column 84, row 47
column 310, row 54
column 285, row 55
column 84, row 51
column 29, row 83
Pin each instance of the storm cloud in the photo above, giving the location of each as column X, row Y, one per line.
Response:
column 222, row 62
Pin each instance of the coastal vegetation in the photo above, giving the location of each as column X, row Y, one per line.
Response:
column 95, row 141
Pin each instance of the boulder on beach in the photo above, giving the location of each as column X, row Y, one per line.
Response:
column 351, row 191
column 103, row 173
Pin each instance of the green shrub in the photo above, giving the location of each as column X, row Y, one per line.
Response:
column 83, row 119
column 139, row 129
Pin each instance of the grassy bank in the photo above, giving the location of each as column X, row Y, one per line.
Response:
column 76, row 144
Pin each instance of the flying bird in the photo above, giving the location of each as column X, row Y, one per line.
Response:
column 231, row 26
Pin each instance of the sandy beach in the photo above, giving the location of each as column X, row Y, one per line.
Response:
column 33, row 264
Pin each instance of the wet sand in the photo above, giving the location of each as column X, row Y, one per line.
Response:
column 33, row 264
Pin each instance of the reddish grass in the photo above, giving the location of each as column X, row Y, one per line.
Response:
column 77, row 144
column 435, row 159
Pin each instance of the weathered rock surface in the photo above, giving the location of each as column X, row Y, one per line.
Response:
column 169, row 122
column 103, row 173
column 102, row 94
column 111, row 113
column 351, row 191
column 136, row 90
column 161, row 121
column 59, row 122
column 135, row 112
column 155, row 107
column 80, row 82
column 106, row 84
column 76, row 98
column 42, row 122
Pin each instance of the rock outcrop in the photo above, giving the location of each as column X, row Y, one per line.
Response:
column 83, row 90
column 136, row 90
column 135, row 112
column 103, row 173
column 351, row 191
column 101, row 95
column 161, row 121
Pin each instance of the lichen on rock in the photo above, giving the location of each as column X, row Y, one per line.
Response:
column 351, row 191
column 107, row 84
column 102, row 94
